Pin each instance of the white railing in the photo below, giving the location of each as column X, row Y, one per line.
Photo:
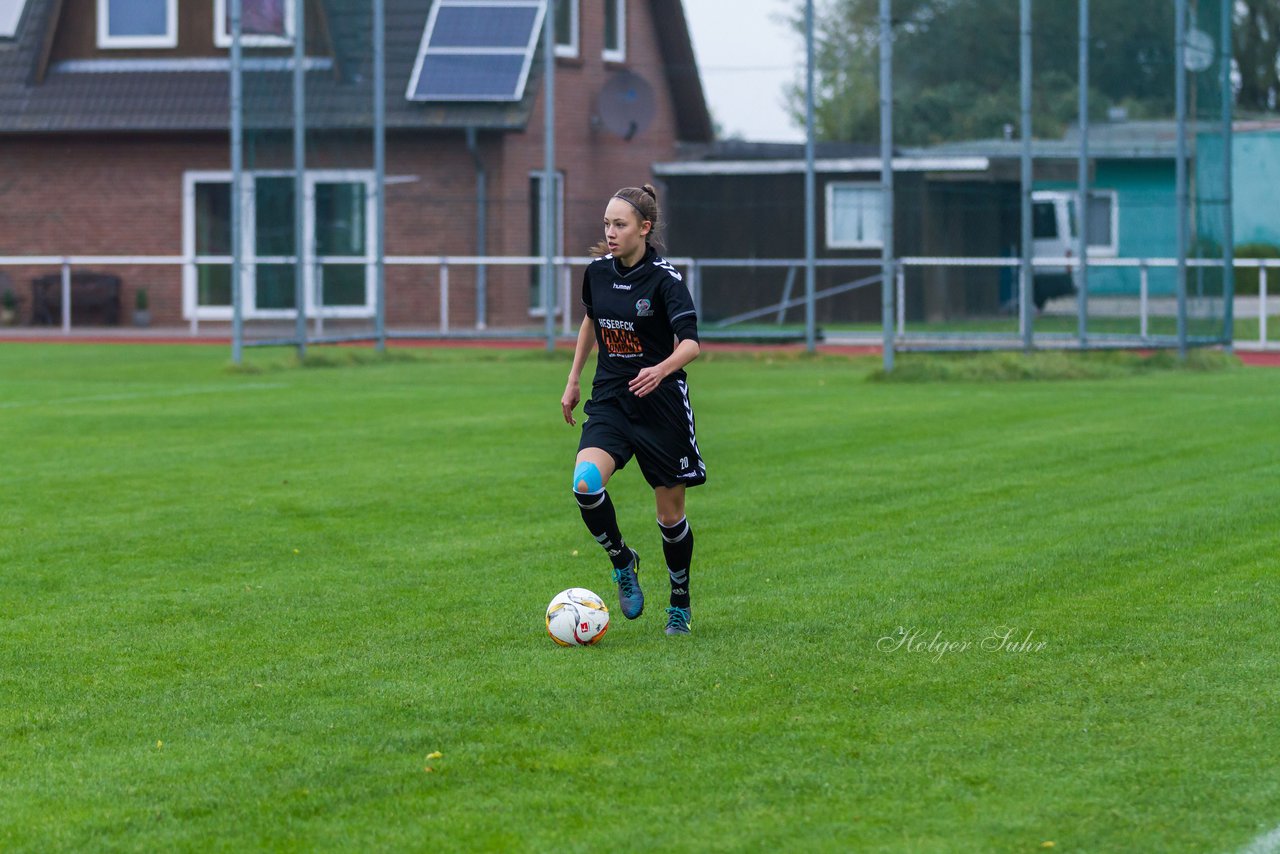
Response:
column 692, row 266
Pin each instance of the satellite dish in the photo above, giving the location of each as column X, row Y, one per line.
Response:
column 625, row 105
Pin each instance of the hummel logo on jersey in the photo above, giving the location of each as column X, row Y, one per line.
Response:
column 644, row 308
column 619, row 286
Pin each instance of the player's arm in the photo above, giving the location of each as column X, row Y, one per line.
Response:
column 650, row 378
column 581, row 350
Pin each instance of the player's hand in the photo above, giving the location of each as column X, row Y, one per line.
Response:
column 647, row 380
column 572, row 394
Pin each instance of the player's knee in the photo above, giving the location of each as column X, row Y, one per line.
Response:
column 670, row 518
column 587, row 478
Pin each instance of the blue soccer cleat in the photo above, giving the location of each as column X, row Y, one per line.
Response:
column 678, row 620
column 630, row 596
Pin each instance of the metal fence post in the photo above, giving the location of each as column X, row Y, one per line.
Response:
column 1262, row 303
column 1143, row 284
column 887, row 257
column 444, row 295
column 66, row 296
column 902, row 299
column 565, row 313
column 695, row 287
column 319, row 276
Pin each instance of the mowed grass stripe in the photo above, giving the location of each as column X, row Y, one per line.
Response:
column 244, row 618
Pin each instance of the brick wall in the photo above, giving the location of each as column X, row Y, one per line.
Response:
column 117, row 195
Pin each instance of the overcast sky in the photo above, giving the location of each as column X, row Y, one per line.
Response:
column 747, row 56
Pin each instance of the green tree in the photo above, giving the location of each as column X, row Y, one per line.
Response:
column 956, row 65
column 1257, row 53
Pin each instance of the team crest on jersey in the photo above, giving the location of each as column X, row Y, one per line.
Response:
column 644, row 308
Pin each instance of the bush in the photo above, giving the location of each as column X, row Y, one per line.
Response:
column 1247, row 277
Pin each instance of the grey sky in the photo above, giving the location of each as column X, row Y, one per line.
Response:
column 747, row 56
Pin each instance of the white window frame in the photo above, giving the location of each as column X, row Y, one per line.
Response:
column 248, row 288
column 832, row 242
column 222, row 37
column 1112, row 249
column 110, row 42
column 619, row 55
column 573, row 48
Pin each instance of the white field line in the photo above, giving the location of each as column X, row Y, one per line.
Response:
column 1268, row 843
column 139, row 395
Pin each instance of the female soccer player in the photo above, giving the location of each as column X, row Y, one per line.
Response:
column 640, row 313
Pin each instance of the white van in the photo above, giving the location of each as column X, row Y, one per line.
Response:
column 1054, row 235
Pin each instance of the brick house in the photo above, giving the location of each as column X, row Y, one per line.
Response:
column 114, row 118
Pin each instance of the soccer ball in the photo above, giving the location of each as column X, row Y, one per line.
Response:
column 577, row 617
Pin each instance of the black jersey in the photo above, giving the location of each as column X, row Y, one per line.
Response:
column 638, row 312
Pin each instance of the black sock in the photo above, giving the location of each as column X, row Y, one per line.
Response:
column 677, row 547
column 602, row 522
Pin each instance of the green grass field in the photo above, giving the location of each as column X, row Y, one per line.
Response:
column 243, row 609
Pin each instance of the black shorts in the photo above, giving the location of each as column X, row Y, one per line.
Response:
column 657, row 429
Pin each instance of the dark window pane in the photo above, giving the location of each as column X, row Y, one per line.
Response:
column 564, row 23
column 273, row 215
column 612, row 30
column 260, row 18
column 340, row 219
column 213, row 284
column 1044, row 220
column 275, row 286
column 213, row 219
column 344, row 284
column 1099, row 224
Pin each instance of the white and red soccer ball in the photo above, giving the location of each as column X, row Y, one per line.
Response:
column 577, row 617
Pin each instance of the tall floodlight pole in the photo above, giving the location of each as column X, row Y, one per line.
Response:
column 1180, row 107
column 1026, row 272
column 1082, row 180
column 300, row 254
column 1228, row 220
column 886, row 181
column 810, row 334
column 237, row 166
column 549, row 175
column 380, row 173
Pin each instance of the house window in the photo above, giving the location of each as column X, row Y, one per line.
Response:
column 337, row 262
column 537, row 272
column 854, row 216
column 1103, row 223
column 263, row 23
column 211, row 221
column 10, row 15
column 137, row 23
column 615, row 30
column 566, row 27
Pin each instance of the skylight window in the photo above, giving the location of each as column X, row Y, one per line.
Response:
column 476, row 51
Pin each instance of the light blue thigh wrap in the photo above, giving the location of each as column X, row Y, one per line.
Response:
column 587, row 473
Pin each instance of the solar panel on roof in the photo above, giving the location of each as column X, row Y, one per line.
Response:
column 476, row 50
